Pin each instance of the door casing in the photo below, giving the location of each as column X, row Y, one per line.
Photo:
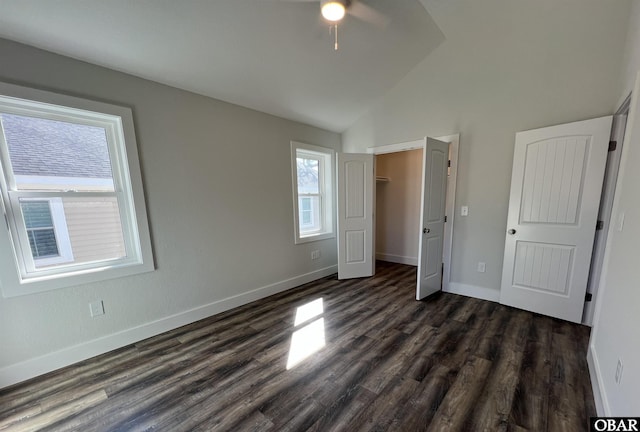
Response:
column 454, row 143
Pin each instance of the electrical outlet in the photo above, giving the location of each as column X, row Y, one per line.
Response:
column 482, row 267
column 96, row 308
column 464, row 211
column 619, row 371
column 315, row 254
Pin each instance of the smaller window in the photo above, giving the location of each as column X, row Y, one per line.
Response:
column 47, row 231
column 39, row 224
column 312, row 172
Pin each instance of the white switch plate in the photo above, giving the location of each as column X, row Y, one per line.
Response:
column 96, row 308
column 464, row 211
column 482, row 267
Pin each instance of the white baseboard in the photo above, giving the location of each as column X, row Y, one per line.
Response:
column 473, row 291
column 397, row 259
column 599, row 395
column 31, row 368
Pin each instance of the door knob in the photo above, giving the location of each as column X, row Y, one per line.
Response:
column 426, row 230
column 512, row 231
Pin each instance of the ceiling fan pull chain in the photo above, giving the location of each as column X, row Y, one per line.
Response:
column 333, row 29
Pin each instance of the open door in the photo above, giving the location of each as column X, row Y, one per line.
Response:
column 556, row 185
column 434, row 194
column 356, row 194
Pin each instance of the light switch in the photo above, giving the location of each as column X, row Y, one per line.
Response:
column 464, row 211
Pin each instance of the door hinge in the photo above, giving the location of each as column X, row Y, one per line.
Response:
column 588, row 297
column 445, row 218
column 613, row 145
column 449, row 164
column 599, row 225
column 6, row 221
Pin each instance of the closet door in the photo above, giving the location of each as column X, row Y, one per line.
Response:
column 356, row 192
column 434, row 194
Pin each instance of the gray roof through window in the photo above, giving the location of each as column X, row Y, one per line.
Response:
column 42, row 147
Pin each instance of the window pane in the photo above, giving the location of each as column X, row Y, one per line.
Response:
column 90, row 230
column 309, row 214
column 306, row 204
column 95, row 232
column 57, row 155
column 308, row 181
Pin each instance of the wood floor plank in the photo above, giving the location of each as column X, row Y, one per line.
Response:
column 569, row 409
column 461, row 397
column 530, row 408
column 335, row 421
column 495, row 403
column 58, row 412
column 388, row 362
column 421, row 407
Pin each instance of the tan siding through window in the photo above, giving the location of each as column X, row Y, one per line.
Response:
column 94, row 228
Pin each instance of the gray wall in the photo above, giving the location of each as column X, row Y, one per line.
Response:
column 505, row 66
column 217, row 179
column 615, row 333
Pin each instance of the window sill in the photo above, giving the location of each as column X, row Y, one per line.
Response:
column 314, row 237
column 13, row 287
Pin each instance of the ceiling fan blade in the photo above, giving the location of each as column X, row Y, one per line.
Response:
column 368, row 14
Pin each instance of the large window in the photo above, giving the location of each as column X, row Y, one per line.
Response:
column 312, row 169
column 71, row 192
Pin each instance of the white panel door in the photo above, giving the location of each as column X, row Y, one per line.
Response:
column 355, row 215
column 556, row 185
column 434, row 194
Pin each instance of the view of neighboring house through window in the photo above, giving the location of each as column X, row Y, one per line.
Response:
column 67, row 191
column 312, row 178
column 72, row 160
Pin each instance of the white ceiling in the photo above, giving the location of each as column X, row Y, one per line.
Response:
column 274, row 56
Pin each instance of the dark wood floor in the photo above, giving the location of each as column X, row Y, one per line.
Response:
column 390, row 363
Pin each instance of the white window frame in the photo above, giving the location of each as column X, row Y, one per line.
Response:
column 63, row 243
column 18, row 275
column 326, row 175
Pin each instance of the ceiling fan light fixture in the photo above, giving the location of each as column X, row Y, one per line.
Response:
column 333, row 10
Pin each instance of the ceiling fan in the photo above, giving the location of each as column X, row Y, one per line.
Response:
column 334, row 11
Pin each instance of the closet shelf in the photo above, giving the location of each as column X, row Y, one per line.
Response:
column 382, row 179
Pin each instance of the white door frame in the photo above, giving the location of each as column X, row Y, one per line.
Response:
column 604, row 216
column 454, row 142
column 606, row 208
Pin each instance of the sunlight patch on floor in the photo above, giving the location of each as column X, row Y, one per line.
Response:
column 309, row 338
column 308, row 311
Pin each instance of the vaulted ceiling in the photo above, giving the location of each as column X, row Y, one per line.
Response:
column 274, row 56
